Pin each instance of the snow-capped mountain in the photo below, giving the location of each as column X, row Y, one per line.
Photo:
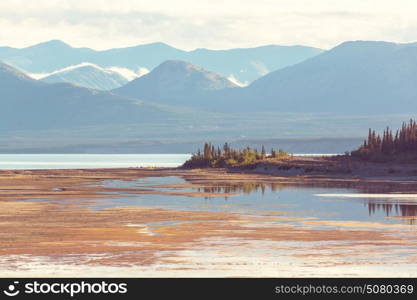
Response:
column 27, row 103
column 91, row 76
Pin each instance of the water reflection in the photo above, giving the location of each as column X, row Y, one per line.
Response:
column 245, row 188
column 394, row 209
column 389, row 209
column 320, row 202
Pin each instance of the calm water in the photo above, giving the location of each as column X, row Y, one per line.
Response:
column 315, row 203
column 74, row 161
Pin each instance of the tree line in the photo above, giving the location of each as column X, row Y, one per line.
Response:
column 404, row 141
column 220, row 157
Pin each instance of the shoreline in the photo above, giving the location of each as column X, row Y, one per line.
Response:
column 47, row 218
column 335, row 170
column 297, row 170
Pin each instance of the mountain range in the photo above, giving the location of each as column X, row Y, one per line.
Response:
column 361, row 77
column 178, row 100
column 355, row 77
column 27, row 103
column 245, row 65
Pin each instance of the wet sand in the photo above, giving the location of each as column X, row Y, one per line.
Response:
column 65, row 236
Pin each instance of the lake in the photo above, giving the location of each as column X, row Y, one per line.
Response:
column 260, row 199
column 205, row 223
column 76, row 161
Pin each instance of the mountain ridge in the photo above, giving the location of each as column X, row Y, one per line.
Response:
column 88, row 75
column 245, row 64
column 31, row 104
column 353, row 77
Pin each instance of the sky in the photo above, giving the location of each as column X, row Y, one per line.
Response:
column 214, row 24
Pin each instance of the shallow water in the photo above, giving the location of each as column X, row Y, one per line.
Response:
column 315, row 203
column 284, row 231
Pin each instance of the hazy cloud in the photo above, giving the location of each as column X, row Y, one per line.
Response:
column 234, row 80
column 212, row 23
column 260, row 68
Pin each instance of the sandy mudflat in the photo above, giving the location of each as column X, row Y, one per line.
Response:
column 65, row 236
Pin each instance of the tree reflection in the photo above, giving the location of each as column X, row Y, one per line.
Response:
column 394, row 209
column 242, row 187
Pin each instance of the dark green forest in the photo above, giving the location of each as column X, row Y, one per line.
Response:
column 398, row 146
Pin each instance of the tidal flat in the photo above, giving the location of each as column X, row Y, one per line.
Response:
column 139, row 222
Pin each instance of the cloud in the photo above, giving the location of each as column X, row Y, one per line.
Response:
column 36, row 76
column 213, row 24
column 234, row 80
column 260, row 68
column 129, row 74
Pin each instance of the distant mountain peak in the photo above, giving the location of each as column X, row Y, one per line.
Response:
column 174, row 72
column 363, row 44
column 158, row 44
column 90, row 75
column 177, row 65
column 56, row 42
column 50, row 44
column 83, row 65
column 176, row 82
